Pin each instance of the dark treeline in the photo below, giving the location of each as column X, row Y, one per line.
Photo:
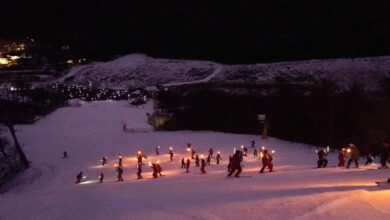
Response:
column 245, row 31
column 310, row 114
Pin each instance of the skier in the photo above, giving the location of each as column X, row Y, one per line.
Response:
column 155, row 172
column 159, row 168
column 208, row 160
column 65, row 155
column 79, row 178
column 384, row 155
column 192, row 154
column 253, row 143
column 236, row 164
column 255, row 153
column 203, row 164
column 322, row 161
column 120, row 172
column 229, row 167
column 104, row 160
column 245, row 151
column 158, row 150
column 211, row 152
column 101, row 177
column 124, row 127
column 196, row 161
column 267, row 162
column 188, row 165
column 171, row 153
column 139, row 171
column 120, row 160
column 369, row 157
column 218, row 157
column 354, row 155
column 341, row 157
column 183, row 165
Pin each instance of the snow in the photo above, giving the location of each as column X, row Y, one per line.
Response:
column 138, row 70
column 296, row 190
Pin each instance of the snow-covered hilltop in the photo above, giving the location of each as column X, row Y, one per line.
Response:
column 368, row 71
column 140, row 71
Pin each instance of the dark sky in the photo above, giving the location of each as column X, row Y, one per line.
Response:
column 226, row 31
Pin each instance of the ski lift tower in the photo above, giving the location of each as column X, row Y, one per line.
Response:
column 263, row 125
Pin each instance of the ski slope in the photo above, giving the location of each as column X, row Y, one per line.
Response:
column 296, row 190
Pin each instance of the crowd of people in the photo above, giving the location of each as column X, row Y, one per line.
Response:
column 234, row 166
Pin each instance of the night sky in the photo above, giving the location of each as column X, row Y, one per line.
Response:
column 225, row 31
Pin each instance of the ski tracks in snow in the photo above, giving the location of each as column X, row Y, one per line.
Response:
column 207, row 79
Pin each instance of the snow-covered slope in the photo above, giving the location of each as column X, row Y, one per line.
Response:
column 295, row 191
column 140, row 71
column 366, row 71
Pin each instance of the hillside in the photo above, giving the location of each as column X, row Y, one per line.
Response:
column 296, row 190
column 141, row 71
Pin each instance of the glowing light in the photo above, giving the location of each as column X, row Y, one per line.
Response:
column 219, row 152
column 273, row 152
column 150, row 163
column 4, row 61
column 202, row 156
column 70, row 61
column 158, row 162
column 188, row 149
column 139, row 152
column 262, row 147
column 349, row 150
column 242, row 146
column 170, row 148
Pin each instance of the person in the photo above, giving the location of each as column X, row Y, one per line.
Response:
column 197, row 161
column 65, row 155
column 183, row 165
column 208, row 160
column 192, row 153
column 245, row 151
column 229, row 167
column 101, row 177
column 159, row 168
column 341, row 157
column 236, row 164
column 354, row 156
column 124, row 127
column 267, row 161
column 79, row 178
column 188, row 165
column 369, row 157
column 120, row 160
column 104, row 160
column 219, row 158
column 253, row 143
column 158, row 150
column 322, row 161
column 120, row 172
column 154, row 168
column 171, row 154
column 384, row 155
column 203, row 165
column 139, row 171
column 211, row 152
column 255, row 153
